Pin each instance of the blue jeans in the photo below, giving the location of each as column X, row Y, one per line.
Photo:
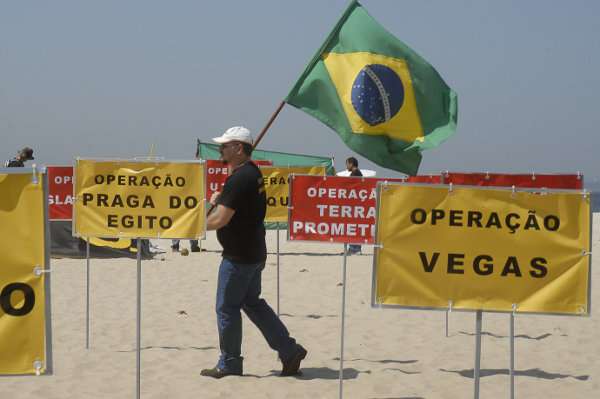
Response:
column 354, row 248
column 193, row 243
column 239, row 287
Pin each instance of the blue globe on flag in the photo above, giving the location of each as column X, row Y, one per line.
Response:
column 377, row 94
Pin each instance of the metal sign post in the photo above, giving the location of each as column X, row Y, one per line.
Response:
column 277, row 268
column 47, row 282
column 448, row 311
column 139, row 316
column 343, row 320
column 87, row 294
column 511, row 369
column 477, row 352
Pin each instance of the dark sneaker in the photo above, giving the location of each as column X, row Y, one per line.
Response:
column 350, row 252
column 175, row 247
column 292, row 365
column 217, row 373
column 195, row 248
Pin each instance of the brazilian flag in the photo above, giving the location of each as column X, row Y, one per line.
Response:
column 383, row 99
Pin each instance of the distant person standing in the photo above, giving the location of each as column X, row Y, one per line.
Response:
column 352, row 167
column 24, row 155
column 194, row 247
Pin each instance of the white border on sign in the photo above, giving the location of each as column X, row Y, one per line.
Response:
column 154, row 160
column 378, row 246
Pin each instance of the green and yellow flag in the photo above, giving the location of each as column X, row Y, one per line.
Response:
column 383, row 99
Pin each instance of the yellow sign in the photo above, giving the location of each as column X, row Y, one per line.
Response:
column 276, row 180
column 483, row 249
column 22, row 292
column 139, row 199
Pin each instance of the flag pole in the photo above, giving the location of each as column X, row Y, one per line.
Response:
column 269, row 123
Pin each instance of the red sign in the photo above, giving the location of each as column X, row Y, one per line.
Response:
column 430, row 179
column 333, row 208
column 217, row 172
column 60, row 192
column 550, row 181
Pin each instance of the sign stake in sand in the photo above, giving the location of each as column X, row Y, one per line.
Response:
column 343, row 320
column 277, row 268
column 138, row 317
column 87, row 293
column 511, row 368
column 447, row 313
column 478, row 319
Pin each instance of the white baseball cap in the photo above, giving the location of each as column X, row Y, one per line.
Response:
column 236, row 133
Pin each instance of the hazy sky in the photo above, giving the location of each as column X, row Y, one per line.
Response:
column 112, row 78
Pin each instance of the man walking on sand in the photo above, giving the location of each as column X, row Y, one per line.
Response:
column 238, row 217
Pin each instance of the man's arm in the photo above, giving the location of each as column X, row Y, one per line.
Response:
column 219, row 217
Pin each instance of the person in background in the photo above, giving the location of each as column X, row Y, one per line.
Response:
column 194, row 247
column 238, row 216
column 24, row 155
column 352, row 167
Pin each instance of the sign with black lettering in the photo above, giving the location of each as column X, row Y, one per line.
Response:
column 22, row 290
column 277, row 186
column 482, row 249
column 139, row 199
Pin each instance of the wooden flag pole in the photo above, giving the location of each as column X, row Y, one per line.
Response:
column 269, row 123
column 260, row 136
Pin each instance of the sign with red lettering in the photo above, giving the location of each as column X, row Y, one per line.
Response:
column 217, row 172
column 333, row 208
column 550, row 181
column 60, row 192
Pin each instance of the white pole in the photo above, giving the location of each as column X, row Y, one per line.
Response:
column 512, row 356
column 448, row 316
column 277, row 268
column 87, row 294
column 343, row 320
column 139, row 316
column 477, row 352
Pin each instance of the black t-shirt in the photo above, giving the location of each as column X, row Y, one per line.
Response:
column 356, row 172
column 243, row 238
column 14, row 163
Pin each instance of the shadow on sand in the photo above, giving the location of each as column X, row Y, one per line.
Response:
column 535, row 373
column 524, row 336
column 305, row 254
column 403, row 397
column 315, row 373
column 308, row 316
column 176, row 348
column 384, row 361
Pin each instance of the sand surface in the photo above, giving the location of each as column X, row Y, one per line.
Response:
column 388, row 353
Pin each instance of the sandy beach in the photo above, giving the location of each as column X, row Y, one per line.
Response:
column 388, row 353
